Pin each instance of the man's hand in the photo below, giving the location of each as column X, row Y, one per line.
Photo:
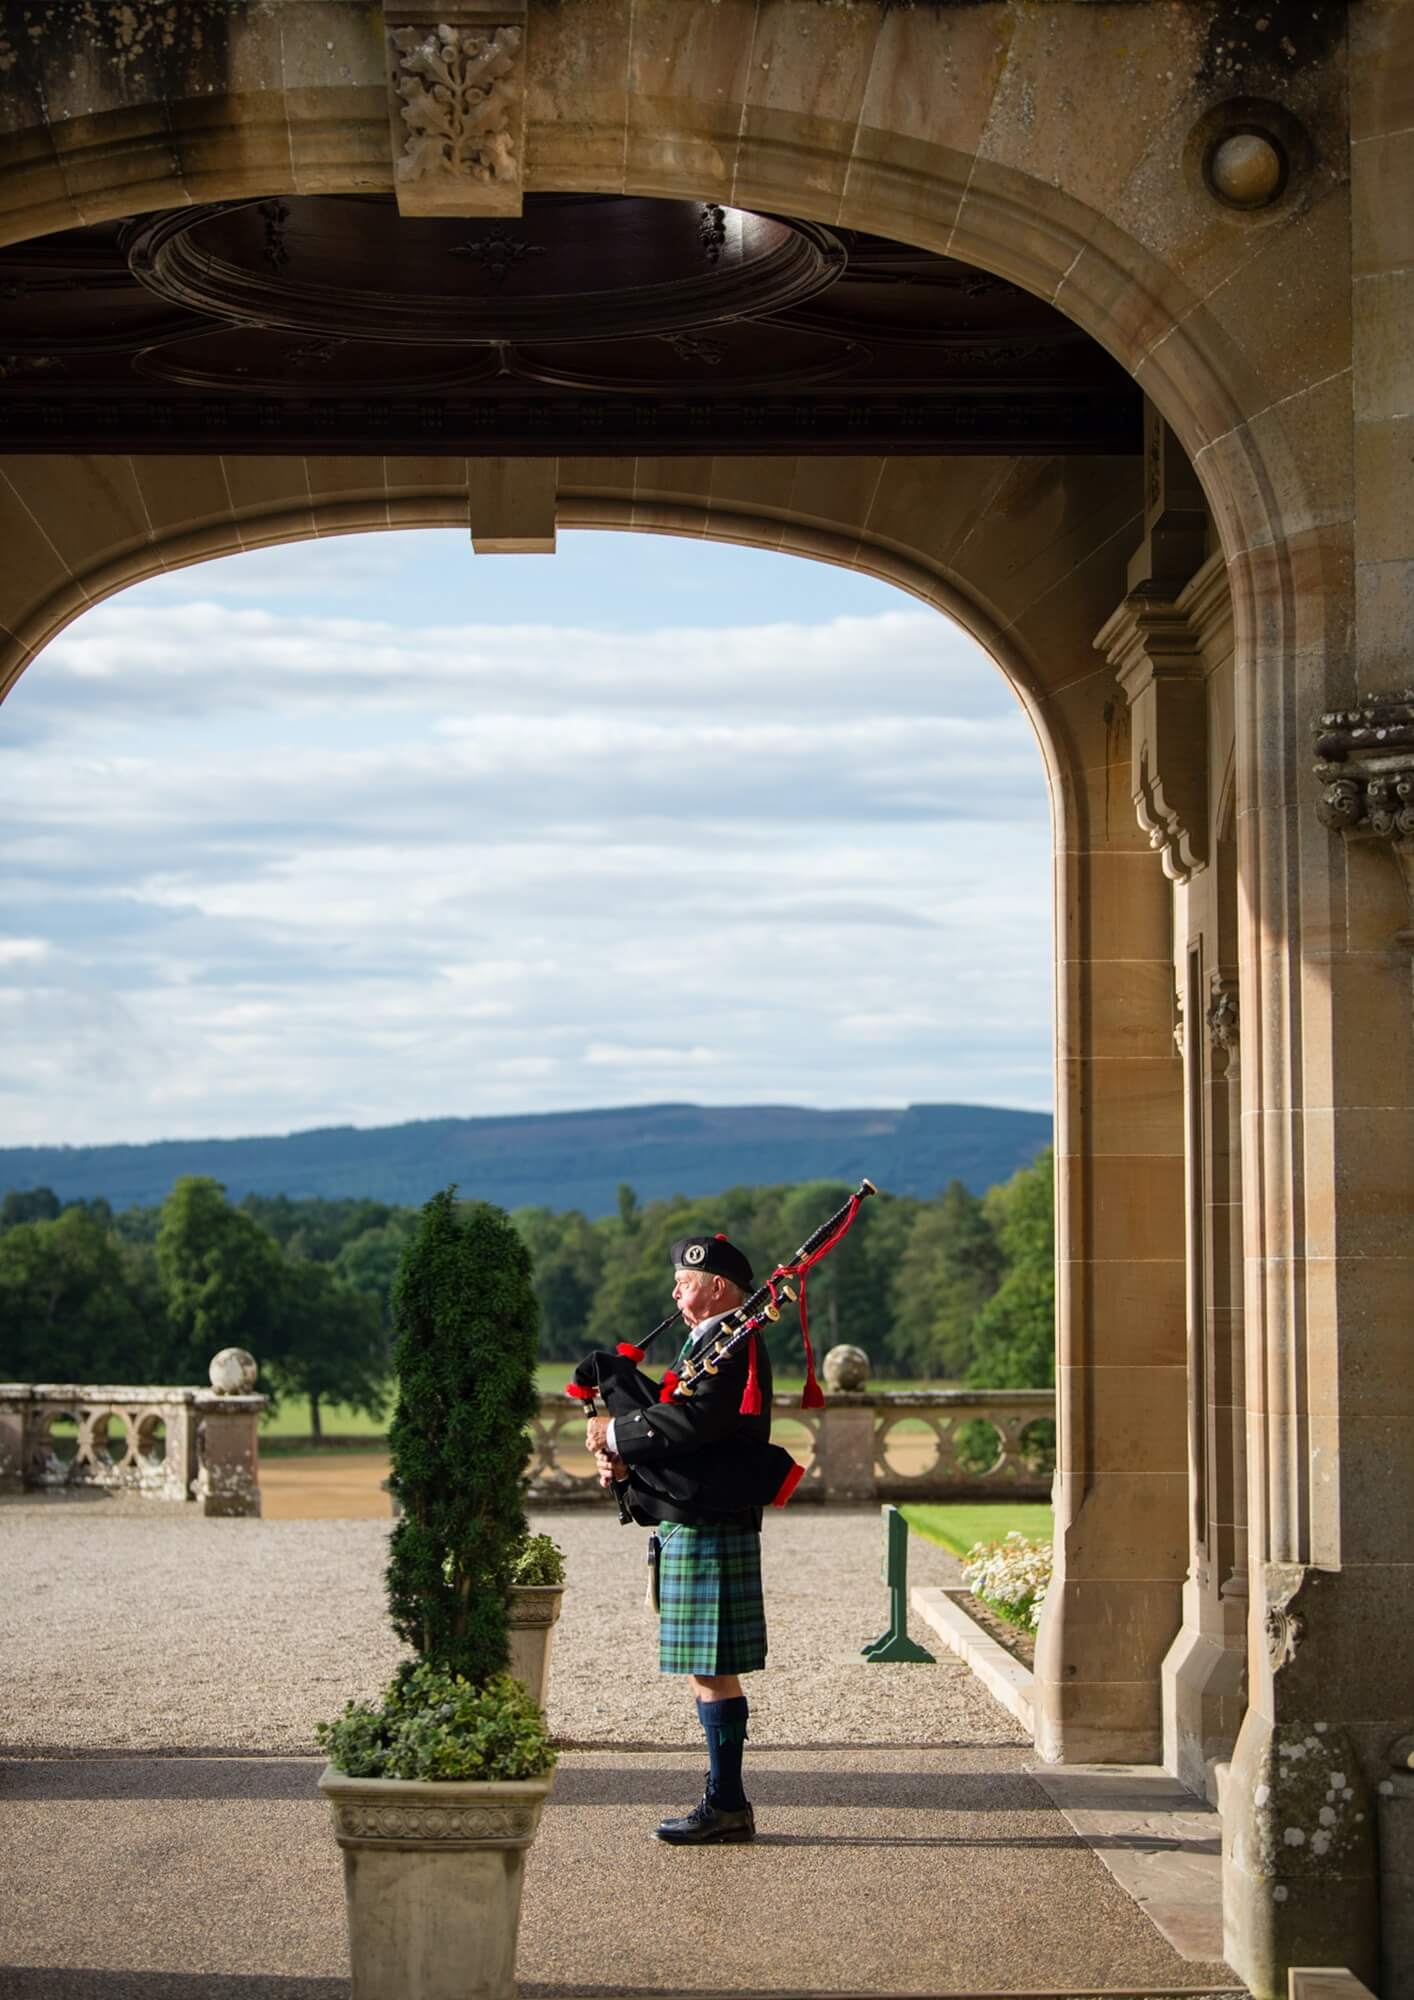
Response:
column 610, row 1469
column 596, row 1434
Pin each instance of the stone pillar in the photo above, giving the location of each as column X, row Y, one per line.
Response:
column 1121, row 1479
column 14, row 1402
column 1328, row 1069
column 845, row 1443
column 227, row 1422
column 228, row 1478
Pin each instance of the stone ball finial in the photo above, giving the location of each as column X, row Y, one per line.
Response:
column 1247, row 169
column 846, row 1368
column 233, row 1372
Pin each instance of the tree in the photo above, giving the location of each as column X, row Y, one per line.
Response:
column 28, row 1205
column 950, row 1266
column 69, row 1305
column 327, row 1342
column 368, row 1262
column 567, row 1261
column 1015, row 1332
column 465, row 1313
column 220, row 1273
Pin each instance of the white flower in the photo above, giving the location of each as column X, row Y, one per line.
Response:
column 1014, row 1572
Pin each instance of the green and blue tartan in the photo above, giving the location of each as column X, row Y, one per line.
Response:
column 712, row 1617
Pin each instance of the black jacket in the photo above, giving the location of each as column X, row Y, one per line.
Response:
column 700, row 1460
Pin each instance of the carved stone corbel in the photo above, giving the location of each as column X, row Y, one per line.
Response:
column 1154, row 648
column 456, row 106
column 1365, row 761
column 1223, row 1017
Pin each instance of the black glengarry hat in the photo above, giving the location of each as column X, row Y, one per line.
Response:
column 714, row 1256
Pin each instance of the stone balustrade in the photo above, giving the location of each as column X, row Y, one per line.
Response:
column 165, row 1443
column 863, row 1447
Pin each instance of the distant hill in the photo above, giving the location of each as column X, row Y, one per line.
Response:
column 564, row 1159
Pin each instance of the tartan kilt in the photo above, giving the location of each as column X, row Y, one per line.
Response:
column 712, row 1616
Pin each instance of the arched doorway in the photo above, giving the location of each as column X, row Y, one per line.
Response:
column 964, row 132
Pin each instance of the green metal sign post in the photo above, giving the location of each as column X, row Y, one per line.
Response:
column 895, row 1644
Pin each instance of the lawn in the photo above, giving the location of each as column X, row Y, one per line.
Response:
column 959, row 1526
column 291, row 1420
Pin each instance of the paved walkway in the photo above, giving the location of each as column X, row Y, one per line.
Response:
column 905, row 1848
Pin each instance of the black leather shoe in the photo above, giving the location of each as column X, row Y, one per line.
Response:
column 708, row 1823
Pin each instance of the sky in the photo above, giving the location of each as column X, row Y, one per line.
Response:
column 371, row 828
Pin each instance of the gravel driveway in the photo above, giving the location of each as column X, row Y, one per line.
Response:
column 136, row 1626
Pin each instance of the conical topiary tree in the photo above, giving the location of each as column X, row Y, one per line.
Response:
column 465, row 1316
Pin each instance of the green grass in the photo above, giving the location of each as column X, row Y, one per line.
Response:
column 958, row 1526
column 291, row 1420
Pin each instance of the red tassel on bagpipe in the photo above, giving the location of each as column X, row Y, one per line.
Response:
column 629, row 1352
column 670, row 1383
column 751, row 1394
column 580, row 1395
column 812, row 1397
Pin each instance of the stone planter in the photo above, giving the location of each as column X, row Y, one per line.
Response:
column 532, row 1615
column 432, row 1879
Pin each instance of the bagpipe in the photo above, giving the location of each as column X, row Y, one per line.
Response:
column 741, row 1472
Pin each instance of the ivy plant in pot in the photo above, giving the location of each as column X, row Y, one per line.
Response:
column 537, row 1588
column 436, row 1792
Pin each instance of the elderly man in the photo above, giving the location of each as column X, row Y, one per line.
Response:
column 713, row 1620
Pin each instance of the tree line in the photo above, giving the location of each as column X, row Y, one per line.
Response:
column 957, row 1287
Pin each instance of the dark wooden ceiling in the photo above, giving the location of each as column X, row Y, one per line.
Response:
column 591, row 325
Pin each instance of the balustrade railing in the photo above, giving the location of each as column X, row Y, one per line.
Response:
column 913, row 1444
column 165, row 1443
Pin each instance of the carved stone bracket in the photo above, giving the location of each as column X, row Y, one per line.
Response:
column 1284, row 1625
column 456, row 104
column 1154, row 648
column 1223, row 1016
column 1365, row 761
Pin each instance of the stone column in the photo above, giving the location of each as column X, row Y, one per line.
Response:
column 1121, row 1480
column 846, row 1448
column 1328, row 1071
column 1172, row 644
column 227, row 1420
column 14, row 1402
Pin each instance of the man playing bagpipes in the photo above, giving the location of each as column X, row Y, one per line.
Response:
column 692, row 1458
column 674, row 1463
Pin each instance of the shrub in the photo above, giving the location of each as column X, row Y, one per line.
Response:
column 1010, row 1576
column 434, row 1724
column 465, row 1316
column 539, row 1561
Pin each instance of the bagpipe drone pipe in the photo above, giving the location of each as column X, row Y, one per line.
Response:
column 740, row 1472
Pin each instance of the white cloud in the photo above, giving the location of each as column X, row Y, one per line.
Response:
column 269, row 869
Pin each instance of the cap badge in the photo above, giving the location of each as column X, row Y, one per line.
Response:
column 694, row 1253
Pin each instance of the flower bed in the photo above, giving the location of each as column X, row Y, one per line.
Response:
column 1010, row 1577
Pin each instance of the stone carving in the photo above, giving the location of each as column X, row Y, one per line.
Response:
column 1154, row 647
column 535, row 1603
column 1178, row 1022
column 1365, row 760
column 1222, row 1014
column 1285, row 1631
column 1285, row 1627
column 458, row 109
column 465, row 1825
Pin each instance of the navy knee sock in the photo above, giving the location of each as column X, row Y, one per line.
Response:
column 724, row 1726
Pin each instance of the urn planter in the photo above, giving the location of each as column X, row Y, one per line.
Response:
column 533, row 1612
column 432, row 1878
